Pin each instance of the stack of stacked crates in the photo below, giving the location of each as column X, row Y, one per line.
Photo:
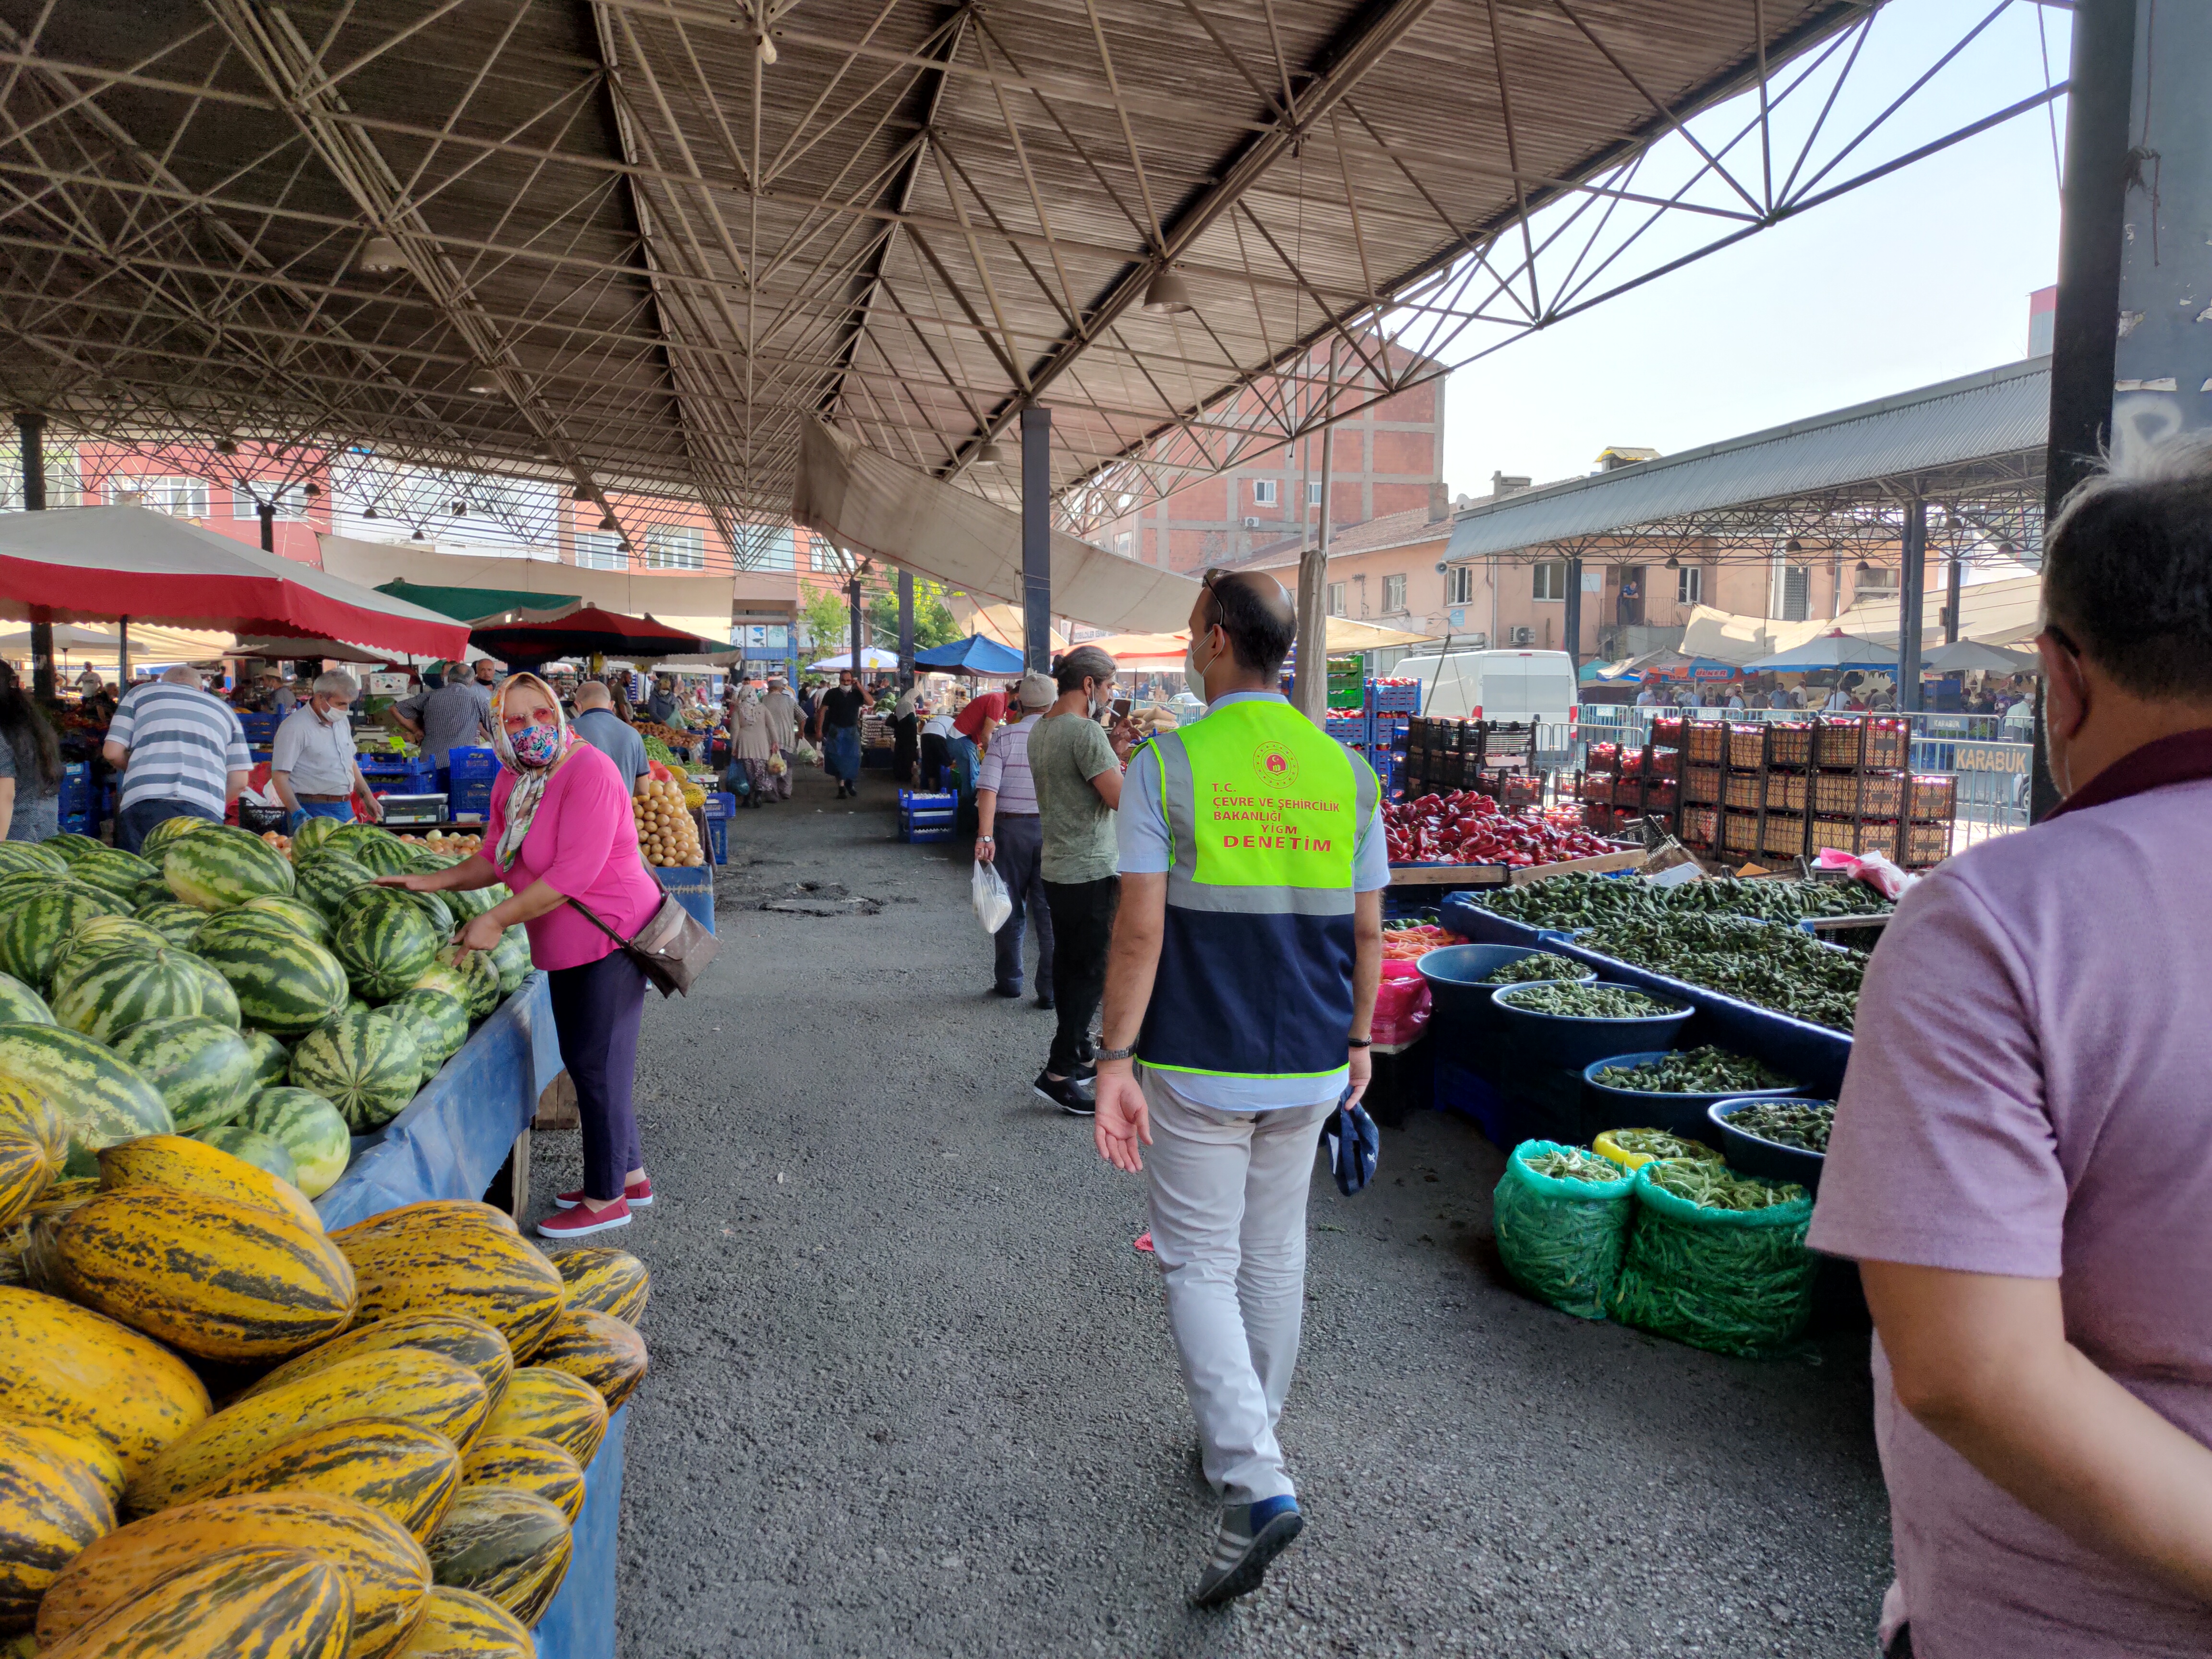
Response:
column 1863, row 800
column 396, row 774
column 721, row 806
column 927, row 814
column 1391, row 705
column 472, row 771
column 77, row 799
column 260, row 726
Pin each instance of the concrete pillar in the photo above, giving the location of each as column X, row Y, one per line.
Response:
column 1310, row 688
column 1572, row 623
column 266, row 511
column 1955, row 580
column 906, row 630
column 858, row 643
column 31, row 427
column 1912, row 599
column 1036, row 539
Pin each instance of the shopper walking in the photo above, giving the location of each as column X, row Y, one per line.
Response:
column 750, row 748
column 599, row 724
column 839, row 720
column 313, row 765
column 1245, row 959
column 30, row 766
column 2021, row 1172
column 1077, row 773
column 562, row 837
column 182, row 753
column 780, row 709
column 1010, row 835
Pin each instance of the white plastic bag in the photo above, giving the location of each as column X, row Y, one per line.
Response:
column 994, row 903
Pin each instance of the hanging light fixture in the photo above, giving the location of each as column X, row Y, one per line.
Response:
column 990, row 453
column 226, row 445
column 369, row 513
column 1673, row 563
column 583, row 493
column 482, row 380
column 608, row 523
column 311, row 489
column 1167, row 294
column 381, row 255
column 1864, row 567
column 417, row 537
column 460, row 509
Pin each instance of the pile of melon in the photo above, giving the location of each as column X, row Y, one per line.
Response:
column 223, row 1431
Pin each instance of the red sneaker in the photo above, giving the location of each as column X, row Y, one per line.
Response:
column 579, row 1221
column 637, row 1196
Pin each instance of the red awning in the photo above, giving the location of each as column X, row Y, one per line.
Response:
column 580, row 629
column 100, row 563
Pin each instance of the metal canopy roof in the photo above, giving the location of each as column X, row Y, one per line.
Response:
column 633, row 251
column 1961, row 442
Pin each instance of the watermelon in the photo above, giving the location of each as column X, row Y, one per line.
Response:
column 385, row 940
column 434, row 906
column 101, row 1097
column 438, row 1022
column 312, row 833
column 19, row 1004
column 511, row 956
column 100, row 936
column 201, row 1067
column 295, row 912
column 308, row 1128
column 272, row 1060
column 479, row 980
column 240, row 924
column 114, row 871
column 155, row 847
column 284, row 984
column 262, row 1151
column 383, row 854
column 32, row 935
column 364, row 1064
column 175, row 922
column 19, row 856
column 217, row 1000
column 72, row 846
column 326, row 877
column 219, row 868
column 105, row 993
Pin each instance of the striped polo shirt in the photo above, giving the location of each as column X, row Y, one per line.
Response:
column 184, row 744
column 1007, row 768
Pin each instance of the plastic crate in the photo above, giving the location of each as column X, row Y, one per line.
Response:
column 77, row 788
column 1393, row 699
column 260, row 725
column 473, row 795
column 718, row 838
column 692, row 885
column 473, row 763
column 721, row 803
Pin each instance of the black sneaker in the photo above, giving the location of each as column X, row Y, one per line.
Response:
column 1074, row 1096
column 1045, row 1003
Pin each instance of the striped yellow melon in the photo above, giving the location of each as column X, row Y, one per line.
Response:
column 505, row 1546
column 388, row 1571
column 53, row 1505
column 39, row 1229
column 270, row 1603
column 218, row 1280
column 80, row 1372
column 527, row 1464
column 470, row 1342
column 25, row 1172
column 430, row 1212
column 398, row 1469
column 598, row 1347
column 184, row 1164
column 24, row 1643
column 25, row 1109
column 613, row 1281
column 426, row 1390
column 459, row 1624
column 469, row 1268
column 84, row 1448
column 552, row 1405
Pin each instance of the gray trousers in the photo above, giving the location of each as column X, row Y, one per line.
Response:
column 1019, row 857
column 1229, row 1226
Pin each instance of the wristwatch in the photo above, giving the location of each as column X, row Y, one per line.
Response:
column 1114, row 1053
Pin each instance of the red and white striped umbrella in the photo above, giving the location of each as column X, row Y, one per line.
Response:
column 99, row 564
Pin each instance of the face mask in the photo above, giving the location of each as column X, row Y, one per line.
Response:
column 534, row 746
column 1194, row 676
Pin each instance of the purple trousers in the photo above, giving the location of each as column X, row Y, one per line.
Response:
column 597, row 1009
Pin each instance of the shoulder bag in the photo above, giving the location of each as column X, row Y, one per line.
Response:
column 672, row 947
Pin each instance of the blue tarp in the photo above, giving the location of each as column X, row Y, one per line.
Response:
column 580, row 1622
column 976, row 654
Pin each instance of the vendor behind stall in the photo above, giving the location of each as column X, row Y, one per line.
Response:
column 312, row 766
column 182, row 753
column 456, row 715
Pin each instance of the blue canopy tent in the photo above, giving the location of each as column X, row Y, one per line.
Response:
column 976, row 654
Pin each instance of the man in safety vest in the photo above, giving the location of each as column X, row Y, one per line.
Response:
column 1242, row 975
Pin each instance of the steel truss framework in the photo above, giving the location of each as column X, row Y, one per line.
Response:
column 634, row 244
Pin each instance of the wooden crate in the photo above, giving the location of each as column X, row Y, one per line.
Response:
column 1888, row 743
column 1664, row 762
column 1667, row 731
column 1744, row 791
column 1782, row 833
column 1739, row 832
column 1597, row 788
column 1836, row 794
column 1747, row 746
column 1700, row 825
column 1787, row 792
column 1661, row 795
column 1882, row 794
column 1705, row 743
column 1603, row 758
column 1925, row 844
column 1839, row 742
column 1789, row 744
column 1931, row 797
column 1702, row 784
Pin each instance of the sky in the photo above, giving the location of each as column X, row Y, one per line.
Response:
column 1917, row 277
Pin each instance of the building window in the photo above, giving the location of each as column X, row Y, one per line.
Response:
column 1459, row 585
column 821, row 555
column 291, row 503
column 1312, row 494
column 1336, row 598
column 1124, row 542
column 1797, row 591
column 185, row 498
column 1394, row 593
column 1690, row 585
column 674, row 547
column 600, row 549
column 1550, row 579
column 1874, row 579
column 1263, row 492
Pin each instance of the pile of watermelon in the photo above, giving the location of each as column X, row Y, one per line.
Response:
column 210, row 986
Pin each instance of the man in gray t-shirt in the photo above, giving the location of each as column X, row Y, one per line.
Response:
column 458, row 714
column 597, row 724
column 1078, row 778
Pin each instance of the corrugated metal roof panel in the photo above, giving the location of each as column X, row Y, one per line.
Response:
column 2000, row 411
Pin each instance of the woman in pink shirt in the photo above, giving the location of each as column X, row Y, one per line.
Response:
column 561, row 830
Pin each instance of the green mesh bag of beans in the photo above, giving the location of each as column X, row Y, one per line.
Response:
column 1561, row 1215
column 1716, row 1260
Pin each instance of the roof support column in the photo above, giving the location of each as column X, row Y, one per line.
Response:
column 266, row 512
column 1311, row 691
column 1912, row 598
column 31, row 427
column 906, row 631
column 1037, row 538
column 1572, row 623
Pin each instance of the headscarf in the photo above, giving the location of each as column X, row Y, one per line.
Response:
column 748, row 707
column 529, row 780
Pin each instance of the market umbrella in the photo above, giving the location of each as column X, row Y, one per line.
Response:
column 99, row 564
column 579, row 630
column 870, row 657
column 474, row 605
column 974, row 655
column 1834, row 649
column 1965, row 656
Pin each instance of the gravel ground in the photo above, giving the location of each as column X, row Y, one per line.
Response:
column 912, row 1389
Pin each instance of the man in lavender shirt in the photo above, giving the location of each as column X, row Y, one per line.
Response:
column 2022, row 1157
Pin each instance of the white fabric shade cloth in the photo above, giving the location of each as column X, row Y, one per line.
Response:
column 1346, row 636
column 861, row 499
column 82, row 642
column 870, row 658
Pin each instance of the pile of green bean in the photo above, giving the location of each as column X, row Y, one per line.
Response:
column 1573, row 1163
column 1657, row 1143
column 1587, row 1002
column 1580, row 901
column 1803, row 1124
column 1707, row 1071
column 1542, row 965
column 1714, row 1186
column 1776, row 967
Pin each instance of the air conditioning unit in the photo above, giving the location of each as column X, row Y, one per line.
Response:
column 1251, row 524
column 1524, row 636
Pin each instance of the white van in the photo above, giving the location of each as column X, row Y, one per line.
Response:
column 1495, row 685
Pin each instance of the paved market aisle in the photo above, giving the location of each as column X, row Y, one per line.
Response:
column 912, row 1391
